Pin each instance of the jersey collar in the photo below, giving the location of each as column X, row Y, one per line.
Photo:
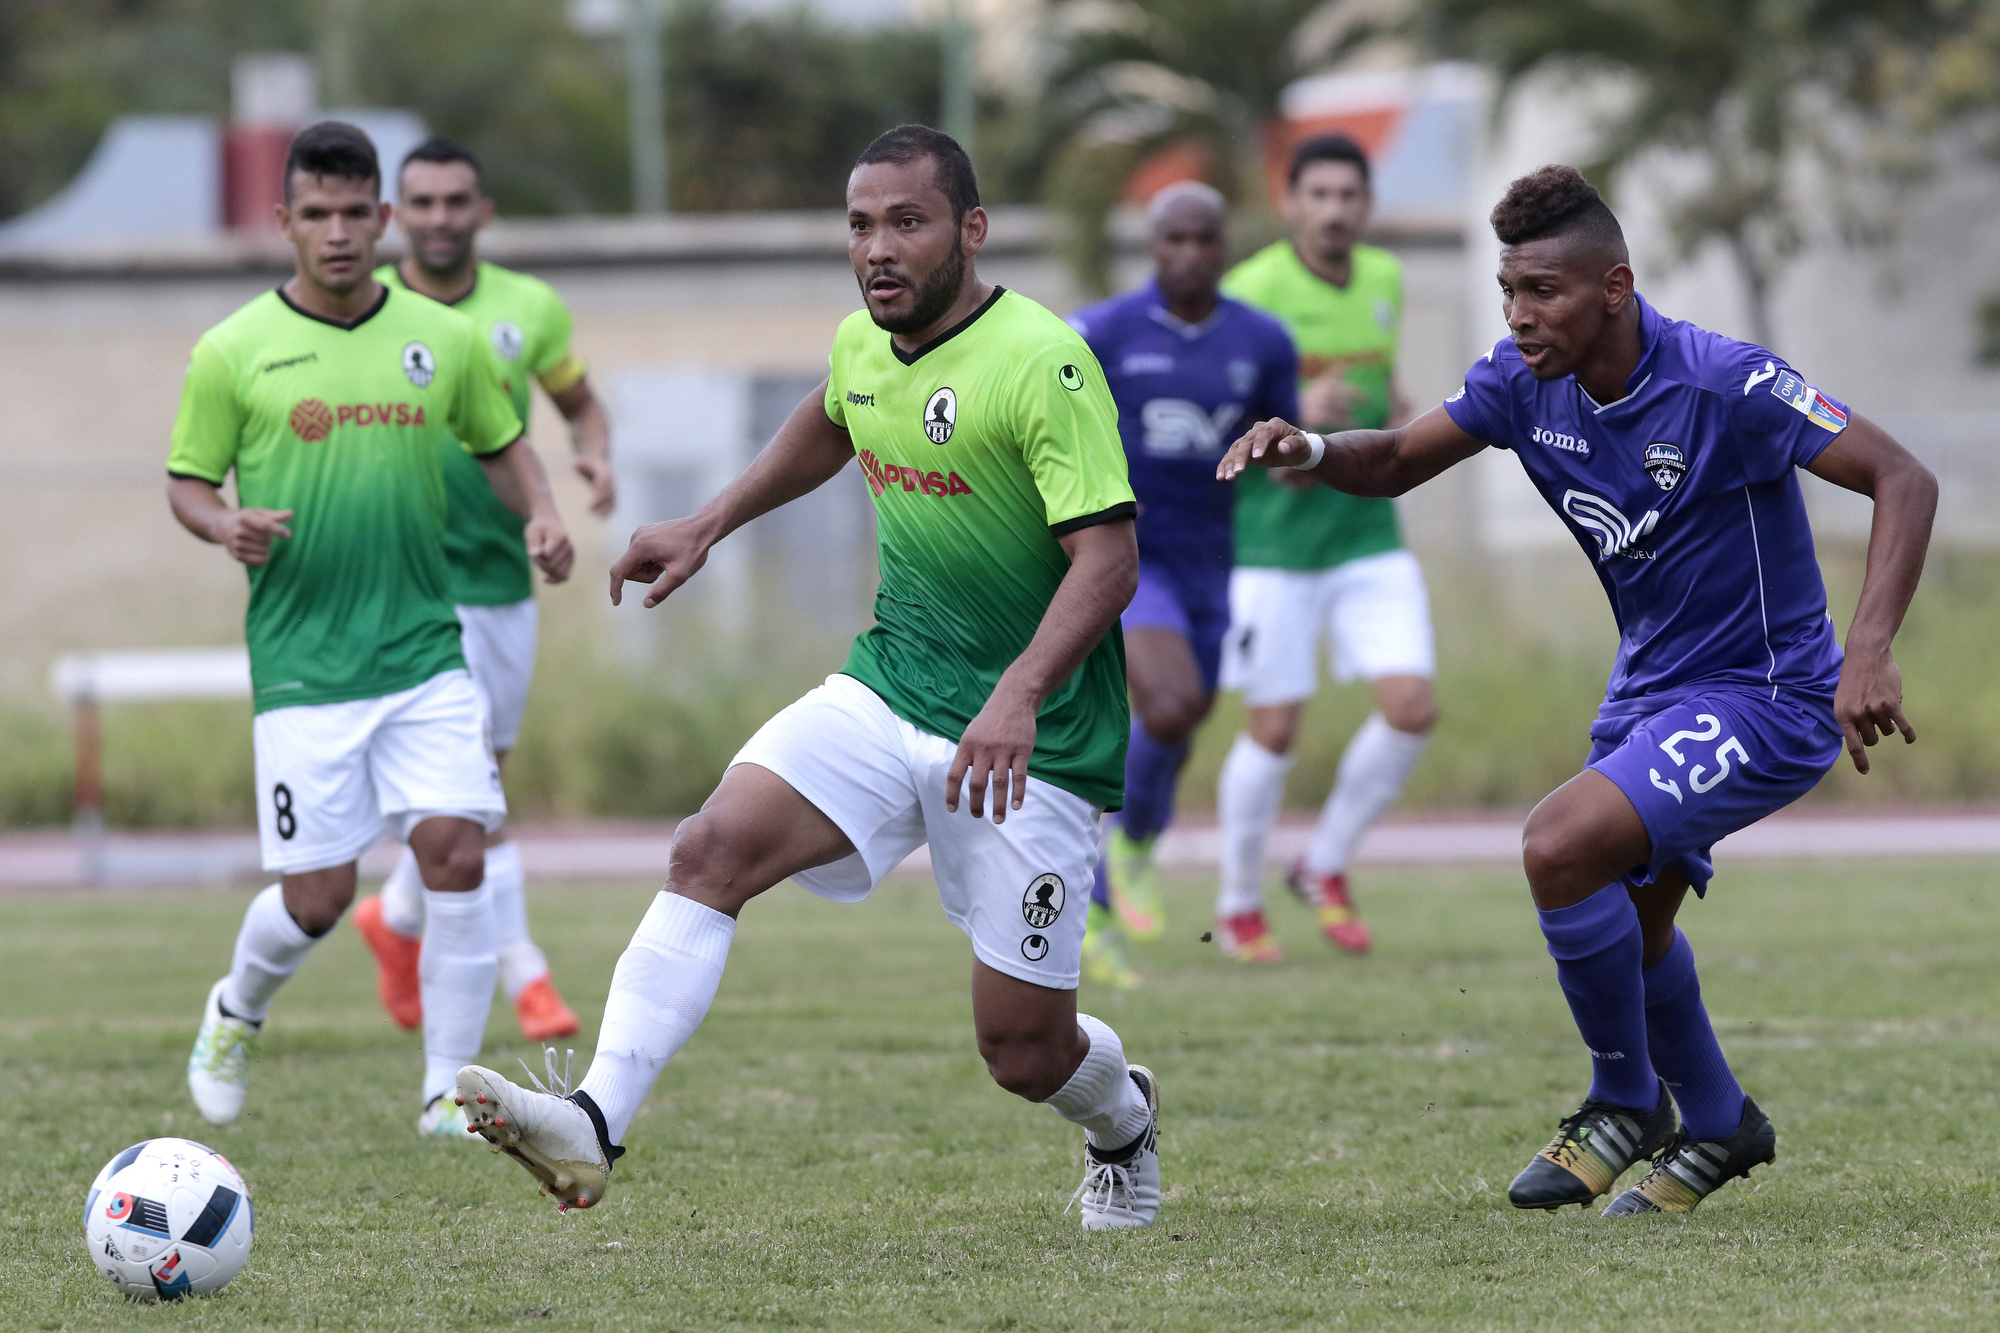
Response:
column 1650, row 322
column 365, row 316
column 911, row 358
column 1156, row 309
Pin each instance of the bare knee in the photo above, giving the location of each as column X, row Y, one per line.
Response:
column 1408, row 704
column 1172, row 720
column 1275, row 729
column 315, row 900
column 1560, row 867
column 1031, row 1065
column 706, row 864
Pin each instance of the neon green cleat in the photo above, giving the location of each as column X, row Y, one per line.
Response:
column 444, row 1120
column 1135, row 885
column 1103, row 961
column 218, row 1069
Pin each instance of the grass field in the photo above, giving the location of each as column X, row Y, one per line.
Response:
column 828, row 1152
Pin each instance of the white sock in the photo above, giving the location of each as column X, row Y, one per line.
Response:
column 456, row 970
column 269, row 949
column 1101, row 1095
column 520, row 961
column 660, row 991
column 403, row 897
column 1247, row 798
column 1372, row 773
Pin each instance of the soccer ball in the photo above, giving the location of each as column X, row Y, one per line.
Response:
column 168, row 1218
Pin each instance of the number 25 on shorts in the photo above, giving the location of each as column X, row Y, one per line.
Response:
column 1698, row 776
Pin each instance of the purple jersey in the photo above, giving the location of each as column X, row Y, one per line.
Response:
column 1684, row 496
column 1184, row 393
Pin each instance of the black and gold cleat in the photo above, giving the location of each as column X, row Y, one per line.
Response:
column 1593, row 1147
column 1692, row 1169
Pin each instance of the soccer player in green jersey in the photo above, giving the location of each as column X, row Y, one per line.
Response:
column 440, row 209
column 329, row 398
column 1314, row 565
column 994, row 672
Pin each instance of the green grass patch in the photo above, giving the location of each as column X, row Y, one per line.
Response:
column 829, row 1154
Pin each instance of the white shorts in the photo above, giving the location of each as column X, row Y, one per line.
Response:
column 499, row 644
column 332, row 779
column 1018, row 890
column 1373, row 613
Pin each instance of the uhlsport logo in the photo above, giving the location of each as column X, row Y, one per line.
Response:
column 1071, row 378
column 1665, row 464
column 312, row 420
column 1043, row 902
column 508, row 339
column 1616, row 535
column 940, row 415
column 419, row 364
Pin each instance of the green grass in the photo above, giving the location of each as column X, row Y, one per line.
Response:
column 828, row 1153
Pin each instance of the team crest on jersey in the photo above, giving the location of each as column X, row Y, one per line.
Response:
column 1665, row 464
column 1242, row 377
column 940, row 415
column 1043, row 902
column 508, row 340
column 1385, row 314
column 419, row 364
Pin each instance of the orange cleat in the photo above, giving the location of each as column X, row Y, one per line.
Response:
column 1338, row 920
column 395, row 964
column 542, row 1012
column 1247, row 938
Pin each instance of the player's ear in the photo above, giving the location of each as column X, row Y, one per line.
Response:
column 972, row 231
column 485, row 213
column 1618, row 285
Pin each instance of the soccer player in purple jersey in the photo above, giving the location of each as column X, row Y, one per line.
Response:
column 1671, row 454
column 1188, row 367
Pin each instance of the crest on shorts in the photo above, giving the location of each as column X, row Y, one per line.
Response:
column 1665, row 464
column 1043, row 902
column 940, row 415
column 419, row 364
column 508, row 340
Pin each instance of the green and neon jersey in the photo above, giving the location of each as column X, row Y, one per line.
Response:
column 528, row 327
column 981, row 449
column 341, row 424
column 1350, row 331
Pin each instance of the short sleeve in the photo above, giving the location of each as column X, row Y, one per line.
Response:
column 209, row 424
column 1278, row 393
column 1778, row 420
column 836, row 406
column 482, row 411
column 1068, row 428
column 1482, row 407
column 556, row 367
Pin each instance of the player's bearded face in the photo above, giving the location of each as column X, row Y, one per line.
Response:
column 1554, row 302
column 923, row 299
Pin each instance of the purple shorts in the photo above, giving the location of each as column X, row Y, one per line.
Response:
column 1699, row 770
column 1193, row 604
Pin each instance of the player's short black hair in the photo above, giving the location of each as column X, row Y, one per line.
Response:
column 1328, row 148
column 333, row 148
column 1556, row 201
column 439, row 149
column 913, row 143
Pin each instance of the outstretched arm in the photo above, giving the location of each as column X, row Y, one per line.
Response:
column 1359, row 462
column 805, row 453
column 1868, row 703
column 1103, row 575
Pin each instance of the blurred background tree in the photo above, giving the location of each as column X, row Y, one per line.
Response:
column 1752, row 93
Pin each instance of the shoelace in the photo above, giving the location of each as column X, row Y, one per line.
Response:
column 1567, row 1143
column 1666, row 1157
column 222, row 1050
column 1103, row 1183
column 558, row 1085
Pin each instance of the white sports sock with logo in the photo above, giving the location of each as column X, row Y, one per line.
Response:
column 660, row 991
column 269, row 948
column 455, row 970
column 1247, row 798
column 1373, row 769
column 520, row 961
column 1101, row 1095
column 403, row 897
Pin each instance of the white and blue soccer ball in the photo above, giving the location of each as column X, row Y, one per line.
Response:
column 168, row 1218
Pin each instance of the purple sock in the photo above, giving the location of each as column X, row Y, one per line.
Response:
column 1100, row 887
column 1684, row 1048
column 1598, row 951
column 1151, row 771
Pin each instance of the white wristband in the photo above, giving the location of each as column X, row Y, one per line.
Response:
column 1318, row 445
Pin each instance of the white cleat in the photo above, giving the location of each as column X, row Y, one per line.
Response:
column 219, row 1065
column 553, row 1137
column 445, row 1119
column 1124, row 1193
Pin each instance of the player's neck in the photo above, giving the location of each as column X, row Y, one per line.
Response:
column 449, row 287
column 971, row 296
column 1609, row 368
column 339, row 307
column 1194, row 309
column 1336, row 268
